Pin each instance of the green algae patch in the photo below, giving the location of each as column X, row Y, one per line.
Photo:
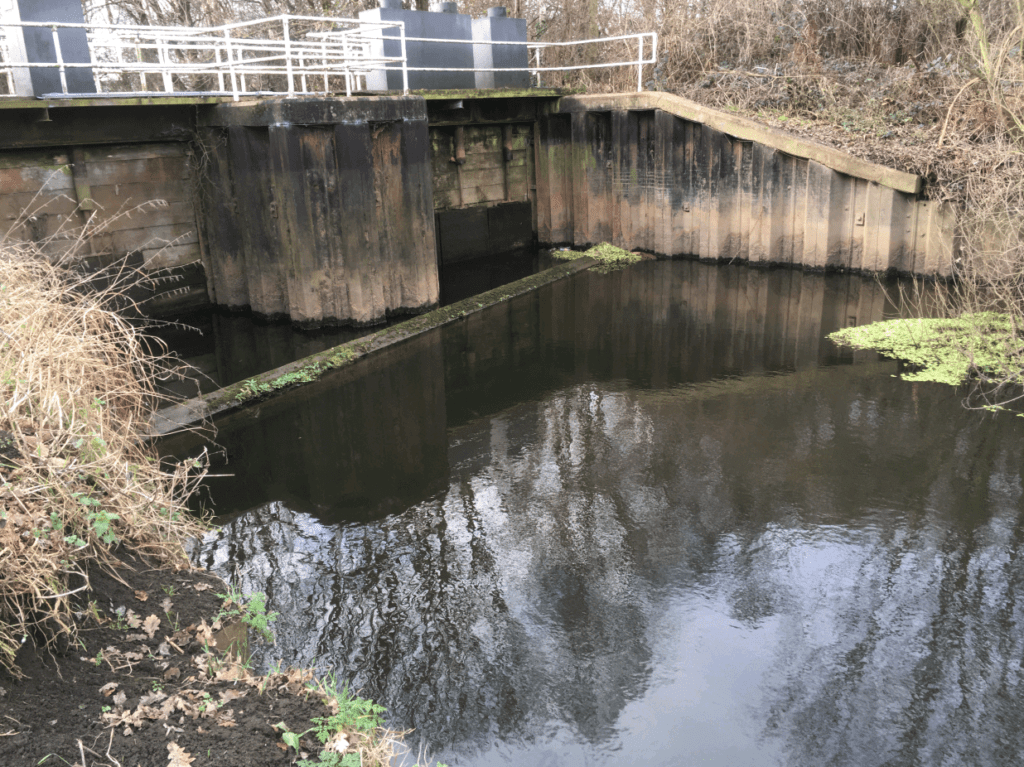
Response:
column 254, row 387
column 948, row 351
column 609, row 257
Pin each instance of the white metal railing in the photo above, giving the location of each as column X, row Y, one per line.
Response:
column 234, row 59
column 281, row 54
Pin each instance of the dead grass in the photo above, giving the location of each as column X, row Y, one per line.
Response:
column 76, row 483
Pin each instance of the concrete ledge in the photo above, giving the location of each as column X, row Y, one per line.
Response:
column 748, row 130
column 193, row 412
column 314, row 110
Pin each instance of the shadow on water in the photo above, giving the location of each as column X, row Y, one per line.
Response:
column 645, row 517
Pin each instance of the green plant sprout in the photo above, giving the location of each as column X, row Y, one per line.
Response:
column 252, row 611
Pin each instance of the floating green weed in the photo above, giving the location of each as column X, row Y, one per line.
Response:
column 611, row 257
column 948, row 351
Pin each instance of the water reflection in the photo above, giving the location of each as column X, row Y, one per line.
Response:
column 666, row 528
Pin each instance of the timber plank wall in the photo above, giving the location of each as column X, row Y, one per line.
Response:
column 136, row 199
column 659, row 173
column 320, row 210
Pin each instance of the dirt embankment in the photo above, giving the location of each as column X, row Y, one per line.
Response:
column 139, row 685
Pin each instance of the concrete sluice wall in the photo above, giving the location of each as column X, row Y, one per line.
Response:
column 659, row 173
column 345, row 210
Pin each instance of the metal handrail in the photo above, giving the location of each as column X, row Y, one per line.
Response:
column 238, row 52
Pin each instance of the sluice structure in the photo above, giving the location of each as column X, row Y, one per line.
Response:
column 252, row 183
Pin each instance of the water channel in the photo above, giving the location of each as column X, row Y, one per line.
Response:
column 646, row 517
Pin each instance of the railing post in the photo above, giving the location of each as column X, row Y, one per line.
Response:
column 94, row 58
column 138, row 60
column 220, row 72
column 60, row 60
column 231, row 63
column 537, row 51
column 640, row 63
column 405, row 62
column 323, row 63
column 288, row 56
column 161, row 51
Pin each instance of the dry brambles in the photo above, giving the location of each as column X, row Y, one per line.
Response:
column 78, row 489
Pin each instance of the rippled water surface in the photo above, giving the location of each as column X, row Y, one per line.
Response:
column 650, row 517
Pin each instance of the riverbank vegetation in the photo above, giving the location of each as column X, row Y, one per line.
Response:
column 77, row 487
column 113, row 649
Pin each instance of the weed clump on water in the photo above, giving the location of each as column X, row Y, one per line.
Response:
column 78, row 490
column 611, row 258
column 984, row 345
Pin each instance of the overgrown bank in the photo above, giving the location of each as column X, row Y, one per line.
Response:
column 115, row 651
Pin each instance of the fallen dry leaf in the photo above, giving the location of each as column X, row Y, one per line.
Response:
column 166, row 605
column 150, row 625
column 202, row 586
column 119, row 699
column 132, row 619
column 142, row 596
column 179, row 757
column 150, row 698
column 108, row 688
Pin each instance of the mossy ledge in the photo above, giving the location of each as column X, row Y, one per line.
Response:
column 193, row 412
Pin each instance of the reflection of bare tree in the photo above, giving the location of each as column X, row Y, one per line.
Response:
column 866, row 532
column 473, row 614
column 527, row 593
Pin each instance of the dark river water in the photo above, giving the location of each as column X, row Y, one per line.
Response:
column 648, row 517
